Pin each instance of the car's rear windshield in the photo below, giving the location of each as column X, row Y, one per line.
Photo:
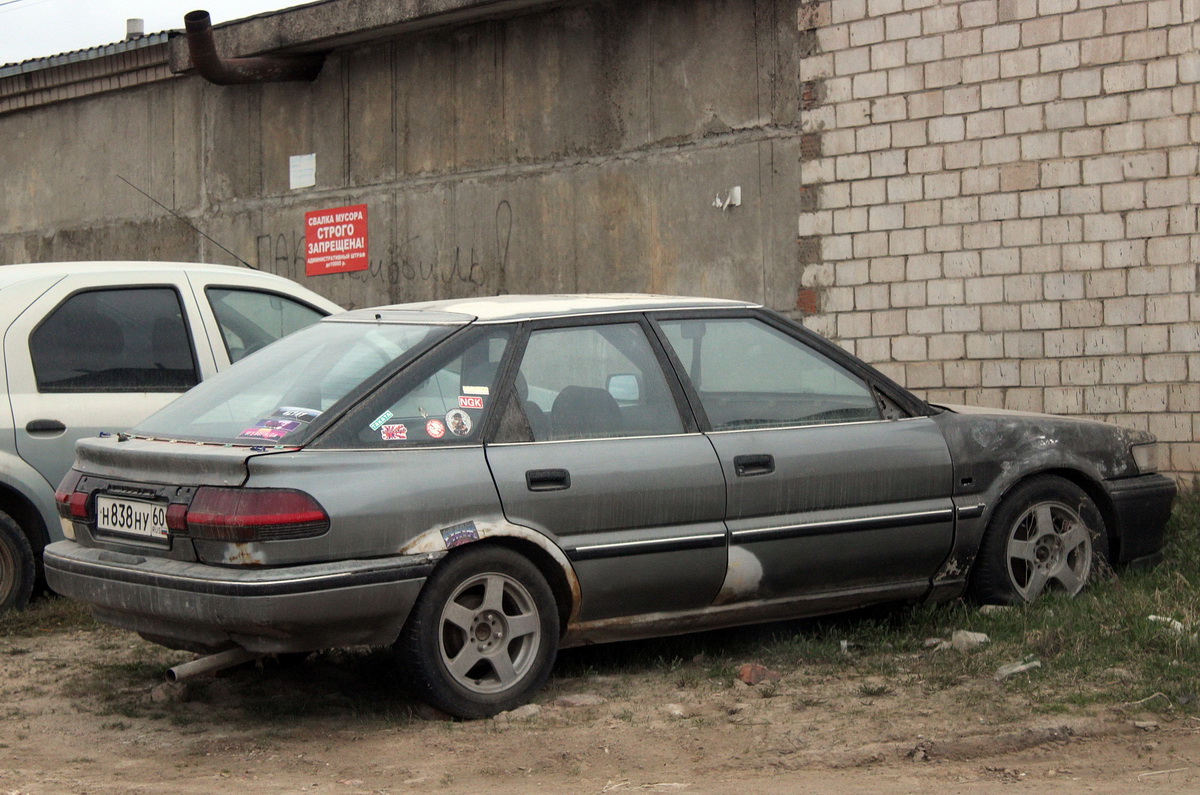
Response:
column 274, row 396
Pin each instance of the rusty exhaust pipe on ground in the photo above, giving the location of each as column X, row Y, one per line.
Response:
column 210, row 664
column 238, row 71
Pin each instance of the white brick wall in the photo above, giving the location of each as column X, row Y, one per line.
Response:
column 1007, row 202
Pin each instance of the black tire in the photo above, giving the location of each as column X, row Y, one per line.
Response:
column 1046, row 534
column 483, row 634
column 17, row 571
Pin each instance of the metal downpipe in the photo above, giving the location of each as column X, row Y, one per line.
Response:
column 239, row 71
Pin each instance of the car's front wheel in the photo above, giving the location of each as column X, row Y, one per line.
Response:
column 483, row 634
column 16, row 566
column 1047, row 534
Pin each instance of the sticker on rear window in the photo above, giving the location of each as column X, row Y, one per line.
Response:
column 470, row 402
column 394, row 433
column 262, row 433
column 475, row 390
column 459, row 534
column 381, row 419
column 296, row 413
column 459, row 422
column 436, row 429
column 283, row 425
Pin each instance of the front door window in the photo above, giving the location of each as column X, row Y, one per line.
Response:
column 751, row 375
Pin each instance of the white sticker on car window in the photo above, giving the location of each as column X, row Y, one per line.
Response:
column 296, row 413
column 459, row 422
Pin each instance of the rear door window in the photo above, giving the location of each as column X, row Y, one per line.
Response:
column 251, row 319
column 592, row 382
column 126, row 340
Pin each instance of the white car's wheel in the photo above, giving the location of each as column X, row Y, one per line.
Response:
column 17, row 570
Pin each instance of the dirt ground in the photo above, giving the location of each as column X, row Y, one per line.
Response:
column 86, row 711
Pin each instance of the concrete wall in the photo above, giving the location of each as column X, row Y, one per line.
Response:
column 1004, row 206
column 573, row 149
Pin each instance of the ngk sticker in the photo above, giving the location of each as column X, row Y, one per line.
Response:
column 470, row 402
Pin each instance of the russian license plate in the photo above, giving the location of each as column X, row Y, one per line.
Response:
column 132, row 517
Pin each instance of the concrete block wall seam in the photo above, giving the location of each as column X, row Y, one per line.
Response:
column 1049, row 184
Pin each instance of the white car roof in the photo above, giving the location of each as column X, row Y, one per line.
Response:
column 526, row 307
column 139, row 270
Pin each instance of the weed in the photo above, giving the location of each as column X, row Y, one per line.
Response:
column 867, row 690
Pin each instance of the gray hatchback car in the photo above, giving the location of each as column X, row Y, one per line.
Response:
column 478, row 483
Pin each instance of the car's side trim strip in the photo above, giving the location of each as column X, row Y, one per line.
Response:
column 755, row 534
column 242, row 588
column 624, row 548
column 806, row 426
column 971, row 511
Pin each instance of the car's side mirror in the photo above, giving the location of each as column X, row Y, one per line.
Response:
column 624, row 388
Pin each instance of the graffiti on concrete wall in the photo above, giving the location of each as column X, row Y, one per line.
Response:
column 480, row 261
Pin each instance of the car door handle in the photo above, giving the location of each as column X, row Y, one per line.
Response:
column 748, row 465
column 548, row 479
column 44, row 426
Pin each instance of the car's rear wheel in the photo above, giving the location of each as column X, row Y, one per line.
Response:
column 1047, row 534
column 17, row 570
column 483, row 634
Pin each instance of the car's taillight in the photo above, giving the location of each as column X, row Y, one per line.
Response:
column 242, row 515
column 71, row 504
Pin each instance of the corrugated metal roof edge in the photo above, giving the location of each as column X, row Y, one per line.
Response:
column 76, row 56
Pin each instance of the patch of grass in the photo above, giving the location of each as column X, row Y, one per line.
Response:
column 47, row 614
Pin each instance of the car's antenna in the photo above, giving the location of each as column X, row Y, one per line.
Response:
column 186, row 221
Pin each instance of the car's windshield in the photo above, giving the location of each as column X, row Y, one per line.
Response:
column 274, row 396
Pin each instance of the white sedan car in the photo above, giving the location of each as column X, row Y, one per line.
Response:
column 98, row 346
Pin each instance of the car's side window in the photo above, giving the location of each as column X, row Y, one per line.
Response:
column 127, row 340
column 447, row 404
column 751, row 375
column 593, row 382
column 251, row 319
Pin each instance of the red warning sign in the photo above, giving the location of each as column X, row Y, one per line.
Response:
column 336, row 240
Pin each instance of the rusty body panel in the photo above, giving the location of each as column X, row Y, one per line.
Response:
column 649, row 625
column 994, row 449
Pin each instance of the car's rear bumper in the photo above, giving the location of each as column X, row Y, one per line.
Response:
column 1142, row 506
column 264, row 610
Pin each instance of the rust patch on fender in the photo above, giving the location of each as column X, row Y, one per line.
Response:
column 743, row 577
column 433, row 542
column 951, row 570
column 247, row 554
